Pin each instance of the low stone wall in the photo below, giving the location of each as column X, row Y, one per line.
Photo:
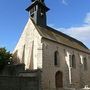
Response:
column 19, row 83
column 66, row 89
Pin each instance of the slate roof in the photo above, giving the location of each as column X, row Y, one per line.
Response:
column 61, row 38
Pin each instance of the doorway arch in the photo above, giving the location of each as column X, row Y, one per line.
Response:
column 59, row 79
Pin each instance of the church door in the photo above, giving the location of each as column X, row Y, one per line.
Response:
column 59, row 79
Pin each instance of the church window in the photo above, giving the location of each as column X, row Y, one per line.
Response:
column 56, row 58
column 23, row 54
column 42, row 12
column 85, row 63
column 72, row 61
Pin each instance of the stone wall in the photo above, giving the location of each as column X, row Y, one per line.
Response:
column 72, row 77
column 19, row 83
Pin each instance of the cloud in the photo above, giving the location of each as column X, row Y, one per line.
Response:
column 81, row 33
column 87, row 19
column 64, row 2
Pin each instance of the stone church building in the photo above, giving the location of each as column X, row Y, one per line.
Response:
column 64, row 61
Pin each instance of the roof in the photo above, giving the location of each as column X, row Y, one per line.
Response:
column 39, row 3
column 61, row 38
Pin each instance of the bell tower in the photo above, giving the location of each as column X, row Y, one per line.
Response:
column 37, row 11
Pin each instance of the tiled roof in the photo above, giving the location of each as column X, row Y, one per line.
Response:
column 59, row 37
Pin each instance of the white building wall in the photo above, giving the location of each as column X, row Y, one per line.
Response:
column 31, row 39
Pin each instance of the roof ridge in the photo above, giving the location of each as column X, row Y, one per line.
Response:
column 41, row 30
column 69, row 37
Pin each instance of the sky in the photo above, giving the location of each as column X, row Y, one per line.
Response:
column 69, row 16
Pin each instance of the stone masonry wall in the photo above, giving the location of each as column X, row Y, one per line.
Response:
column 71, row 79
column 18, row 83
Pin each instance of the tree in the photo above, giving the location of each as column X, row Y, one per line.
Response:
column 5, row 57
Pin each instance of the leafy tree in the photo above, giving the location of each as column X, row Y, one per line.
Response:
column 5, row 57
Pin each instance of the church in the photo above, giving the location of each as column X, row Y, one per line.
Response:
column 64, row 61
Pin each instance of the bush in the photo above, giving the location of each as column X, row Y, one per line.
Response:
column 5, row 57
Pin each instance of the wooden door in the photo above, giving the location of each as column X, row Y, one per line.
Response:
column 59, row 79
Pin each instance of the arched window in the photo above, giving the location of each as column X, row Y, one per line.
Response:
column 70, row 60
column 23, row 54
column 56, row 58
column 85, row 63
column 59, row 79
column 73, row 61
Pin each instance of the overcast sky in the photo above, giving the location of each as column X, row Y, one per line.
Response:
column 69, row 16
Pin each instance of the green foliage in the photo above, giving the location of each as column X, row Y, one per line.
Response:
column 5, row 57
column 4, row 54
